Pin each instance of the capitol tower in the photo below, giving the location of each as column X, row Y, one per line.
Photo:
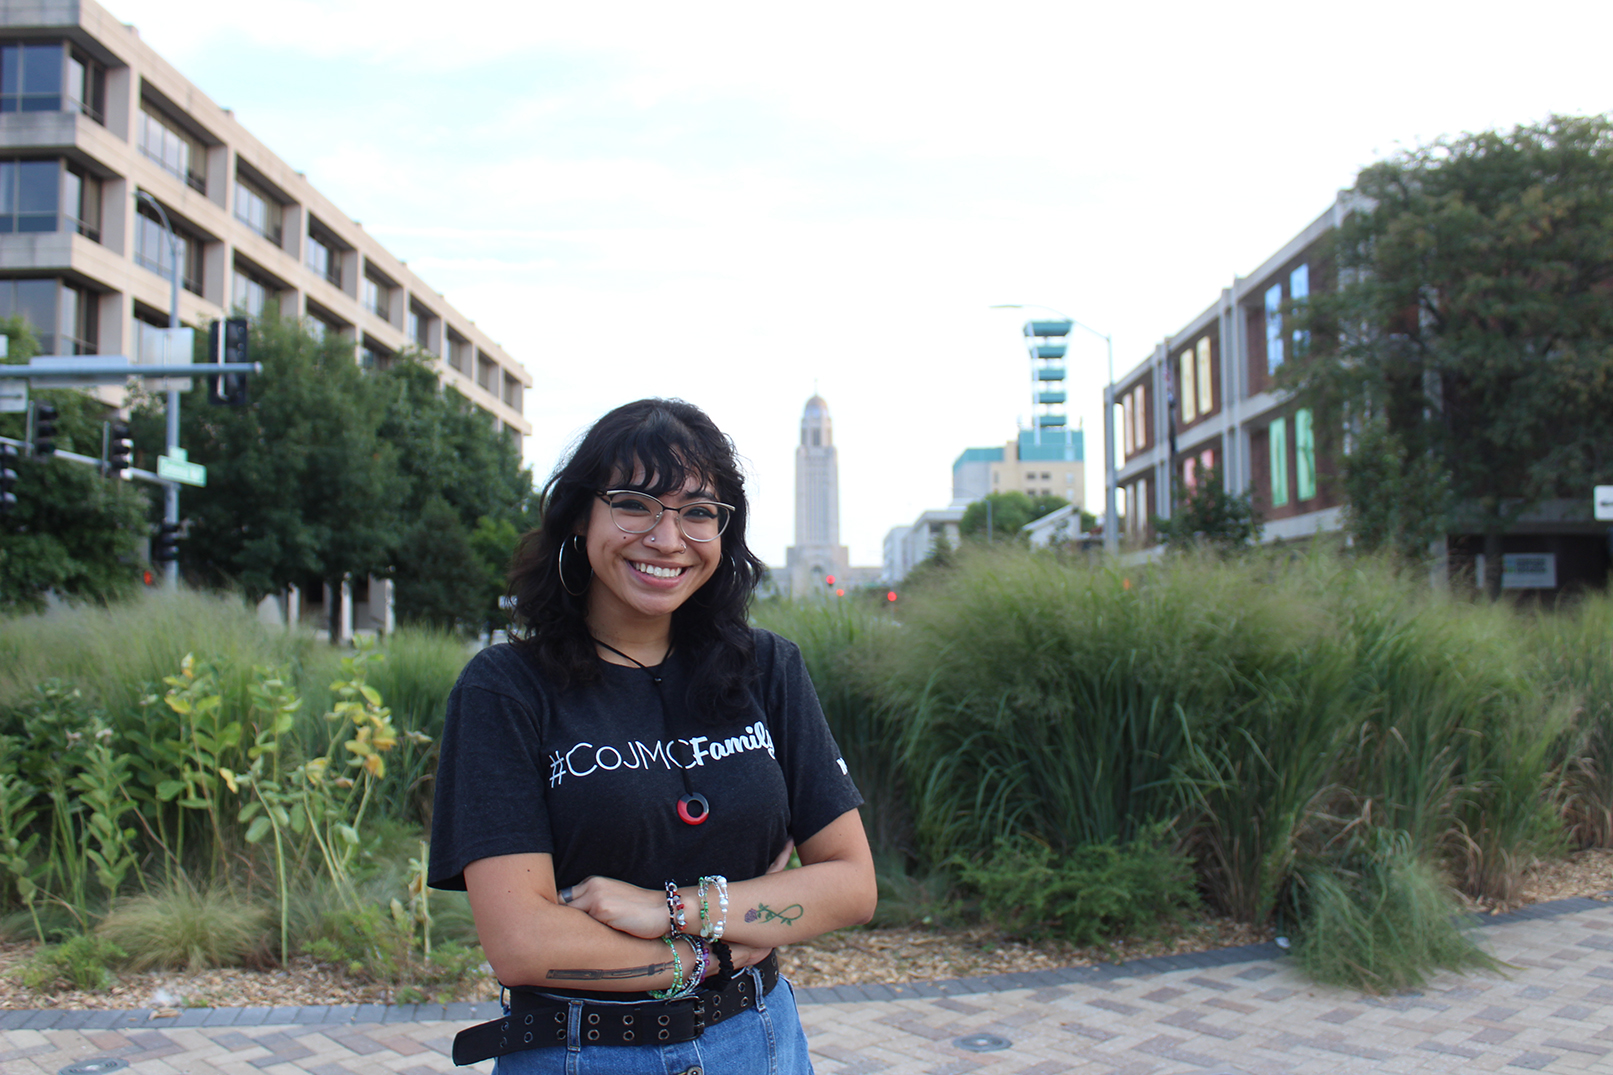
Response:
column 817, row 553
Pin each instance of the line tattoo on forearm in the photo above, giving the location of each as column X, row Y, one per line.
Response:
column 763, row 913
column 587, row 974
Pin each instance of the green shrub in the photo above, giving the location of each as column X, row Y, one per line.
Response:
column 1378, row 918
column 185, row 927
column 1091, row 895
column 80, row 963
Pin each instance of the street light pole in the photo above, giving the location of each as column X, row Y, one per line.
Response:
column 170, row 513
column 1111, row 525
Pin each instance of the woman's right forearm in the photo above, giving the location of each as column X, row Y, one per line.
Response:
column 532, row 939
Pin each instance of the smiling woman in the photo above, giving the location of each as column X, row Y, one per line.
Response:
column 621, row 789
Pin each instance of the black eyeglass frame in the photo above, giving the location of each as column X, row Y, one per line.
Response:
column 606, row 494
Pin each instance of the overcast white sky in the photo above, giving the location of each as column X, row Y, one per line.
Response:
column 737, row 202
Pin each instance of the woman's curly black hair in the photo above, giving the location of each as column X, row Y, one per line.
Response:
column 662, row 442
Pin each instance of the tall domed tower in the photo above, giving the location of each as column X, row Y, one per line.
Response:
column 817, row 553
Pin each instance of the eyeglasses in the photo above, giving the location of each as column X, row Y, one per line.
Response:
column 639, row 513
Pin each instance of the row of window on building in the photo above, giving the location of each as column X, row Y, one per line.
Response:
column 53, row 194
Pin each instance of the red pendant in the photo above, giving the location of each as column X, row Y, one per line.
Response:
column 693, row 809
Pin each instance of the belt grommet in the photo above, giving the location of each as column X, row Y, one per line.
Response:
column 528, row 1038
column 560, row 1035
column 593, row 1018
column 664, row 1035
column 627, row 1035
column 560, row 1017
column 529, row 1018
column 593, row 1035
column 627, row 1020
column 504, row 1025
column 663, row 1020
column 503, row 1042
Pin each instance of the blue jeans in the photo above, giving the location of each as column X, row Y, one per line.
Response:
column 766, row 1040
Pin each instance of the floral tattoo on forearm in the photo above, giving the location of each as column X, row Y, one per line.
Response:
column 763, row 913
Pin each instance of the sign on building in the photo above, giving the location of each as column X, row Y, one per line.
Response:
column 1523, row 570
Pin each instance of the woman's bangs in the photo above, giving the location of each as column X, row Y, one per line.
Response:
column 655, row 463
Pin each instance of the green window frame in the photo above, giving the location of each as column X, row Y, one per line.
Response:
column 1279, row 462
column 1305, row 454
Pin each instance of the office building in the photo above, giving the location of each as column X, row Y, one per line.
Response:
column 90, row 117
column 1221, row 370
column 1047, row 462
column 101, row 139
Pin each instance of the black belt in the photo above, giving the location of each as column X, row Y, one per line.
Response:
column 537, row 1020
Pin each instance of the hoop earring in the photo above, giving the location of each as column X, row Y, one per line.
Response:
column 560, row 566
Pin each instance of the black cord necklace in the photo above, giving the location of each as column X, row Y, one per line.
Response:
column 693, row 808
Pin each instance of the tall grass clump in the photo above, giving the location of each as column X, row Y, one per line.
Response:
column 1043, row 698
column 1573, row 649
column 187, row 927
column 1454, row 739
column 1377, row 917
column 837, row 639
column 114, row 654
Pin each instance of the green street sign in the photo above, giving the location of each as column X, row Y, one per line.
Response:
column 178, row 470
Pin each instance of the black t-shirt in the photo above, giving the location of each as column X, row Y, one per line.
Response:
column 593, row 774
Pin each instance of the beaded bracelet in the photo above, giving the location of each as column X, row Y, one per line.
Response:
column 702, row 962
column 709, row 928
column 678, row 987
column 674, row 908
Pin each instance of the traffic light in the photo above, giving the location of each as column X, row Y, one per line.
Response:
column 227, row 389
column 119, row 449
column 165, row 545
column 8, row 478
column 44, row 430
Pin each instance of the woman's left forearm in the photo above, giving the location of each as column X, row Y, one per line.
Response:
column 834, row 887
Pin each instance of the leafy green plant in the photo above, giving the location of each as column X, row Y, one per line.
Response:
column 81, row 962
column 308, row 804
column 1089, row 895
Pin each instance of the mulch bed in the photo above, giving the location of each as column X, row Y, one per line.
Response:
column 849, row 956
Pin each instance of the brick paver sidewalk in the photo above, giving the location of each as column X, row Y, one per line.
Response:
column 1240, row 1010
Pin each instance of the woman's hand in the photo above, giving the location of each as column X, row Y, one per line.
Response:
column 641, row 912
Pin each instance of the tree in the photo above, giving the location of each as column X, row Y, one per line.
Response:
column 72, row 531
column 1008, row 512
column 1209, row 515
column 466, row 493
column 335, row 472
column 1466, row 346
column 300, row 484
